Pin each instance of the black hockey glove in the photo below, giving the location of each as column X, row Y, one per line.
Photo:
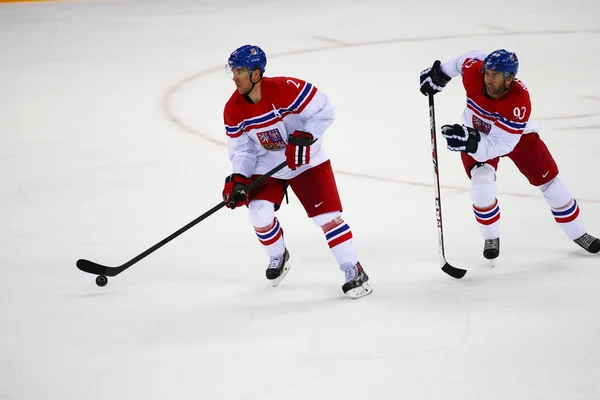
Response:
column 433, row 80
column 461, row 138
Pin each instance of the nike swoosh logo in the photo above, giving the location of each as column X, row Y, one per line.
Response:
column 317, row 205
column 547, row 172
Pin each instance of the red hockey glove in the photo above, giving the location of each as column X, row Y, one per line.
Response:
column 297, row 151
column 235, row 192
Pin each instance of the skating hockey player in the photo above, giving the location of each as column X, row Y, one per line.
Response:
column 269, row 120
column 495, row 124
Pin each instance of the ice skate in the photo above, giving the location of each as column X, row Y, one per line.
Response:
column 588, row 242
column 356, row 285
column 278, row 268
column 491, row 250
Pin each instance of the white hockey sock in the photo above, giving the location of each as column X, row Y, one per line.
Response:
column 569, row 220
column 485, row 203
column 564, row 208
column 488, row 219
column 339, row 238
column 271, row 237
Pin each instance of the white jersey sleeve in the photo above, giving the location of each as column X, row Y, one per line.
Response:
column 453, row 67
column 243, row 154
column 497, row 143
column 315, row 118
column 318, row 115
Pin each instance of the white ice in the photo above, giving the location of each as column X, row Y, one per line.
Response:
column 111, row 138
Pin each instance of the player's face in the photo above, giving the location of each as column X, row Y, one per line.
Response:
column 495, row 84
column 241, row 78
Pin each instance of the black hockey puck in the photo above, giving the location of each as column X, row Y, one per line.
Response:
column 101, row 280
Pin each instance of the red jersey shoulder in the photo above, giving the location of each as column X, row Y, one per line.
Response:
column 516, row 105
column 471, row 64
column 472, row 76
column 283, row 89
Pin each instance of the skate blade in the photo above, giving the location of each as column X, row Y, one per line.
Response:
column 491, row 263
column 276, row 281
column 361, row 291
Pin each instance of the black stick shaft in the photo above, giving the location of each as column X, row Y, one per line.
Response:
column 199, row 219
column 446, row 267
column 436, row 178
column 92, row 267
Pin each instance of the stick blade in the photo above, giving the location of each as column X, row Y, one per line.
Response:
column 454, row 272
column 93, row 268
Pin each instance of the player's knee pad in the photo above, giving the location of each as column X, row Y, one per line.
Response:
column 556, row 193
column 323, row 219
column 261, row 213
column 483, row 185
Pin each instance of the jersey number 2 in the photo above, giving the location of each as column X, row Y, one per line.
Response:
column 293, row 83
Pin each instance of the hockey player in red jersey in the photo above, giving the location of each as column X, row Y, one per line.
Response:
column 495, row 124
column 269, row 121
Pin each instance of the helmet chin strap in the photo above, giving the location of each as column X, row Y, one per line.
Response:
column 247, row 94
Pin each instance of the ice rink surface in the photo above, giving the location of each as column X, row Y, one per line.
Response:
column 111, row 138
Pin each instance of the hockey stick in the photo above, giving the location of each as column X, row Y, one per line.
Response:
column 104, row 271
column 447, row 268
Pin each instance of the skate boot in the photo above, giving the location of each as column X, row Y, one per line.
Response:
column 589, row 243
column 278, row 268
column 491, row 250
column 356, row 285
